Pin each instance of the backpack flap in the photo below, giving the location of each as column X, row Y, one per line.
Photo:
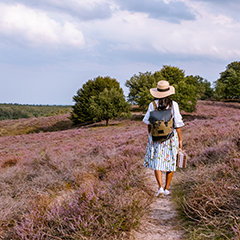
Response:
column 164, row 115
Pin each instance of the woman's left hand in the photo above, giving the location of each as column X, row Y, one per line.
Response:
column 180, row 144
column 179, row 132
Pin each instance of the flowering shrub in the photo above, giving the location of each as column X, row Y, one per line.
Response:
column 73, row 184
column 208, row 193
column 94, row 214
column 35, row 125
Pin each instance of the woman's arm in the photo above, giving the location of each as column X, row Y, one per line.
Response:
column 179, row 137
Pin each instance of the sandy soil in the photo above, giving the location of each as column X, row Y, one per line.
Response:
column 161, row 223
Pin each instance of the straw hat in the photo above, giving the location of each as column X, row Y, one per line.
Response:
column 162, row 90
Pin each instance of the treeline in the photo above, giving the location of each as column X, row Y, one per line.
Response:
column 102, row 98
column 16, row 111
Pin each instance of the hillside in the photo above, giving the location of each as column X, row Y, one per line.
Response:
column 17, row 111
column 208, row 192
column 60, row 182
column 35, row 125
column 98, row 167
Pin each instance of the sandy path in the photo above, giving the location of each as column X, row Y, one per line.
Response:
column 161, row 222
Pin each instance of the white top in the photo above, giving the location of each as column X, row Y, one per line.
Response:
column 175, row 111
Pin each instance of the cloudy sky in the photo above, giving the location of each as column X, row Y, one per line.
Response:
column 49, row 48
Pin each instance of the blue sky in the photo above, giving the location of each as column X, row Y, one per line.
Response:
column 49, row 48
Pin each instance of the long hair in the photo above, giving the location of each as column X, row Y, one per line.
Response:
column 163, row 103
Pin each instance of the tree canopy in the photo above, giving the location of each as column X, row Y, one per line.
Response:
column 140, row 83
column 81, row 110
column 234, row 65
column 108, row 104
column 228, row 85
column 203, row 87
column 187, row 88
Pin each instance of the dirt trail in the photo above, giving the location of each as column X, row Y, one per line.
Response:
column 161, row 222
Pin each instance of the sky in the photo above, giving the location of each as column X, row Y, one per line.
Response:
column 50, row 48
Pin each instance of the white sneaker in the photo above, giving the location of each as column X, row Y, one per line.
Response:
column 166, row 192
column 160, row 191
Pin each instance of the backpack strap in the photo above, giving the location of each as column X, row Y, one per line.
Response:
column 155, row 106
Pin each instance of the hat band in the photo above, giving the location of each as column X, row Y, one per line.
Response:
column 163, row 90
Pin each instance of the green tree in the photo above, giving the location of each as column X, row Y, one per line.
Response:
column 173, row 75
column 141, row 84
column 107, row 105
column 228, row 85
column 81, row 112
column 185, row 91
column 185, row 96
column 234, row 65
column 209, row 92
column 203, row 87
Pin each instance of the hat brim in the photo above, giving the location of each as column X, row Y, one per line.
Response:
column 157, row 94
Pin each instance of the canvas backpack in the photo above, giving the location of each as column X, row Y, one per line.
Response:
column 161, row 124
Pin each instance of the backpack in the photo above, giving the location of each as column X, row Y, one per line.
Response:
column 161, row 124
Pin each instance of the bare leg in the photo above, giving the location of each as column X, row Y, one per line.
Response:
column 169, row 176
column 158, row 175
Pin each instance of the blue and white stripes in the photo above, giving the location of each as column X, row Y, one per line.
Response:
column 162, row 156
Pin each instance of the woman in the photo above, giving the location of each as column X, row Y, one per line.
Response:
column 161, row 156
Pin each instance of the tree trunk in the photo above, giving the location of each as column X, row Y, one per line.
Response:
column 106, row 122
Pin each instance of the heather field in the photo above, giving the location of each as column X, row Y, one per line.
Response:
column 35, row 125
column 208, row 192
column 82, row 183
column 60, row 182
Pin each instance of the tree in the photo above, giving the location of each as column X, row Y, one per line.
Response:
column 228, row 85
column 172, row 74
column 107, row 105
column 140, row 85
column 235, row 66
column 185, row 96
column 209, row 92
column 81, row 112
column 203, row 87
column 185, row 91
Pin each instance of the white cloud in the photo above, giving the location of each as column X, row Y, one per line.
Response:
column 91, row 9
column 81, row 9
column 210, row 35
column 172, row 11
column 35, row 27
column 116, row 42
